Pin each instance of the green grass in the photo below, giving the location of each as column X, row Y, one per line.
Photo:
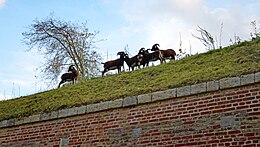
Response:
column 234, row 60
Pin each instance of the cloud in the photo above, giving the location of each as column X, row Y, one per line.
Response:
column 19, row 78
column 4, row 96
column 2, row 3
column 163, row 21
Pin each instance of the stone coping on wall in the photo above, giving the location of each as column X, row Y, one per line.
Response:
column 210, row 86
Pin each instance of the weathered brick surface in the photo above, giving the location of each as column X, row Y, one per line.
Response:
column 228, row 117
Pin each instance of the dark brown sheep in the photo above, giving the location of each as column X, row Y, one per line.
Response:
column 166, row 54
column 148, row 57
column 114, row 64
column 71, row 75
column 134, row 61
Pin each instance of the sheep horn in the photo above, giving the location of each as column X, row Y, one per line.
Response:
column 121, row 53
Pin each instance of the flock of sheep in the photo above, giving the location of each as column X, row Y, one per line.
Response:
column 142, row 58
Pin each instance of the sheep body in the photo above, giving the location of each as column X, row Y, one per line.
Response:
column 148, row 57
column 114, row 64
column 133, row 61
column 71, row 75
column 166, row 54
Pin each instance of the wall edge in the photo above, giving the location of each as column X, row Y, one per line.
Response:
column 188, row 90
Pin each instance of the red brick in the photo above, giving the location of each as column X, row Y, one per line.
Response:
column 229, row 109
column 194, row 114
column 223, row 102
column 145, row 141
column 184, row 116
column 217, row 96
column 213, row 141
column 254, row 113
column 255, row 90
column 249, row 145
column 201, row 106
column 186, row 137
column 255, row 105
column 216, row 126
column 205, row 112
column 242, row 92
column 167, row 132
column 242, row 107
column 202, row 143
column 217, row 111
column 249, row 134
column 191, row 144
column 234, row 132
column 176, row 138
column 189, row 122
column 180, row 145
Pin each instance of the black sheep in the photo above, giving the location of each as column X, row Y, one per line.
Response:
column 71, row 75
column 148, row 57
column 114, row 64
column 133, row 61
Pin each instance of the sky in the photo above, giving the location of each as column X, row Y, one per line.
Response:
column 132, row 23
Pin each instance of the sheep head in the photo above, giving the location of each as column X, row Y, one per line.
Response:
column 155, row 47
column 142, row 50
column 121, row 53
column 126, row 56
column 71, row 68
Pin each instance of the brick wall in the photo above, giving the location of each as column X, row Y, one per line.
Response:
column 226, row 117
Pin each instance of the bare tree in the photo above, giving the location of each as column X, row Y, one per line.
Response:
column 206, row 38
column 236, row 40
column 63, row 43
column 256, row 29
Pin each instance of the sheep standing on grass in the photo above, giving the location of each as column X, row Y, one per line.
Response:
column 133, row 61
column 166, row 54
column 114, row 64
column 71, row 75
column 149, row 57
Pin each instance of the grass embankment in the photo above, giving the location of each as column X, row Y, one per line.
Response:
column 216, row 64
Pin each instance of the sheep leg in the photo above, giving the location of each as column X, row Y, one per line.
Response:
column 173, row 57
column 123, row 68
column 119, row 69
column 61, row 82
column 133, row 68
column 139, row 65
column 161, row 58
column 105, row 70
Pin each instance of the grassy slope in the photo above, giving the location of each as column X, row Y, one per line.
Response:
column 213, row 65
